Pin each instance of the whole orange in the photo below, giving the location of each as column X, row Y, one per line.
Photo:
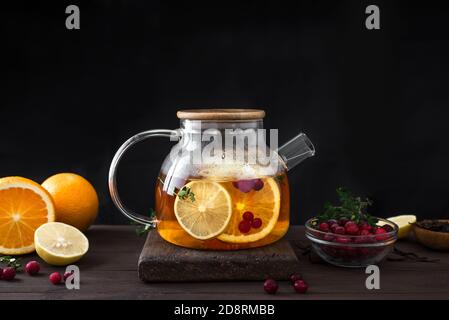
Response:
column 75, row 199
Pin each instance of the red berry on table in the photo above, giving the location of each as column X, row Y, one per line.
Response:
column 32, row 268
column 300, row 286
column 55, row 278
column 270, row 286
column 248, row 216
column 324, row 227
column 66, row 275
column 256, row 223
column 295, row 277
column 258, row 185
column 339, row 230
column 351, row 228
column 244, row 226
column 8, row 273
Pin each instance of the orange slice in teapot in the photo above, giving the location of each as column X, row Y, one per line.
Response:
column 264, row 204
column 207, row 212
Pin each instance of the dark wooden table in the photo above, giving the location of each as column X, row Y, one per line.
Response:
column 109, row 271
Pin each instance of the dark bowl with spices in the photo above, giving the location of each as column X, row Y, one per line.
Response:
column 433, row 234
column 348, row 245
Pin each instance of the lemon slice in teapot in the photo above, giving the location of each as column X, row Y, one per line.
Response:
column 207, row 213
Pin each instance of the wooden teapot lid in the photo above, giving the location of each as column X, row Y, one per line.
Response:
column 221, row 114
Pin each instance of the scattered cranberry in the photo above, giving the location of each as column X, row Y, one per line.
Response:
column 8, row 274
column 351, row 228
column 256, row 223
column 270, row 286
column 324, row 227
column 300, row 286
column 258, row 185
column 244, row 226
column 295, row 277
column 339, row 230
column 66, row 275
column 32, row 268
column 55, row 278
column 248, row 216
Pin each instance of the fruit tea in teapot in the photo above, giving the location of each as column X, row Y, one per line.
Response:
column 221, row 187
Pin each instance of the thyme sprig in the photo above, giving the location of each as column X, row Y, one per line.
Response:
column 351, row 208
column 186, row 193
column 142, row 230
column 12, row 262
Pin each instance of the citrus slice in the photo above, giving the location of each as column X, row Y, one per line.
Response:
column 263, row 204
column 60, row 244
column 404, row 223
column 208, row 214
column 24, row 206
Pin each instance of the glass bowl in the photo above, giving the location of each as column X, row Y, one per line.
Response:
column 352, row 251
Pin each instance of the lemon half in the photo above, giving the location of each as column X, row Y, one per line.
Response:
column 404, row 224
column 60, row 244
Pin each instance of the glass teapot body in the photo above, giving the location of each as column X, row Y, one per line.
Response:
column 221, row 187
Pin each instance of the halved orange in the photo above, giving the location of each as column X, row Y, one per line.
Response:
column 264, row 204
column 24, row 206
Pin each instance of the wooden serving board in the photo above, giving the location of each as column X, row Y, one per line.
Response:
column 161, row 261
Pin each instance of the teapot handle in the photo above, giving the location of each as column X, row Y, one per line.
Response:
column 113, row 169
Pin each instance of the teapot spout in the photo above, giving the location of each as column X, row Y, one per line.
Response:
column 296, row 150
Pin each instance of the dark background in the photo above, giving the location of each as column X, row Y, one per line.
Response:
column 375, row 103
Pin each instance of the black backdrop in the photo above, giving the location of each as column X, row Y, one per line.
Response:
column 375, row 103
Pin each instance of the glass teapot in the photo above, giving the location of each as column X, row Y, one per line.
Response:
column 221, row 187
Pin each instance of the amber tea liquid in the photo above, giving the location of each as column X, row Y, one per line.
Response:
column 261, row 201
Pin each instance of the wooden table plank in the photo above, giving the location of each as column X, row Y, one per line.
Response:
column 109, row 271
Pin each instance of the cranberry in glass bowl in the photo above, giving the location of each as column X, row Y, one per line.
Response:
column 356, row 246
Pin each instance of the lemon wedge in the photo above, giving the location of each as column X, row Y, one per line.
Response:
column 404, row 224
column 60, row 244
